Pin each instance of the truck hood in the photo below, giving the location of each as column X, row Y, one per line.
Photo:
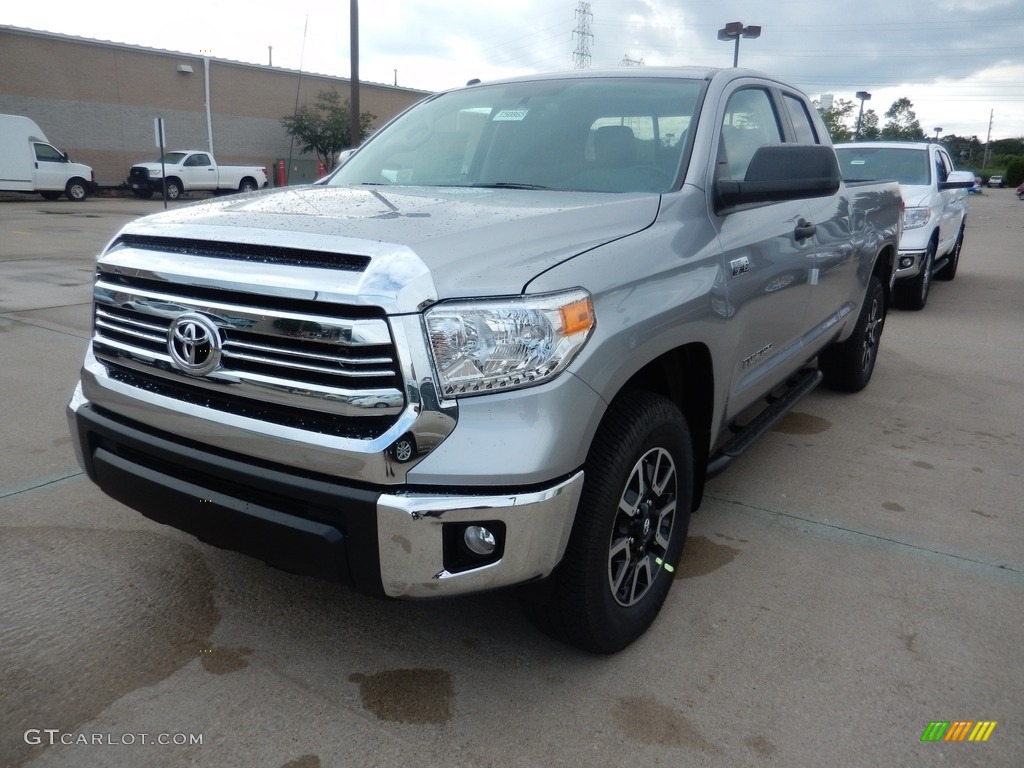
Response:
column 472, row 241
column 916, row 195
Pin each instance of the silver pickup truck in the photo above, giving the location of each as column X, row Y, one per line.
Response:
column 504, row 344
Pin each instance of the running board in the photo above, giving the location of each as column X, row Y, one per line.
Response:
column 807, row 380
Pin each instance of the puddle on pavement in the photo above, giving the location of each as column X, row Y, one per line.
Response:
column 306, row 761
column 648, row 721
column 407, row 695
column 762, row 746
column 892, row 506
column 701, row 556
column 798, row 423
column 923, row 464
column 89, row 616
column 221, row 661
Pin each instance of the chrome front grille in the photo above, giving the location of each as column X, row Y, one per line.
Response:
column 279, row 354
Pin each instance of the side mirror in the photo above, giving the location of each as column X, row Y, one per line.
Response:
column 779, row 172
column 957, row 180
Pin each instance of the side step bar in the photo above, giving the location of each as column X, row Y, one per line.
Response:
column 806, row 380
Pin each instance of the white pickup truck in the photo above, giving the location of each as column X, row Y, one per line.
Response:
column 935, row 213
column 189, row 171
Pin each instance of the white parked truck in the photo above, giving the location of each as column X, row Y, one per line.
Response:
column 188, row 171
column 30, row 163
column 935, row 212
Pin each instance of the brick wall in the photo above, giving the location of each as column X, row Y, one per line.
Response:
column 97, row 101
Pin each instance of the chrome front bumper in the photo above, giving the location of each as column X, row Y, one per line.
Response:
column 913, row 261
column 410, row 530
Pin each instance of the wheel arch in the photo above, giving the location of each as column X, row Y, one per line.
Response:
column 884, row 269
column 685, row 376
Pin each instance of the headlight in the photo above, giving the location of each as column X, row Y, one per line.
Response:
column 915, row 217
column 497, row 345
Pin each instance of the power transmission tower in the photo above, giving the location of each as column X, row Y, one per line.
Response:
column 581, row 56
column 628, row 62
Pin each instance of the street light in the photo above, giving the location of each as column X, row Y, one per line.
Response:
column 863, row 96
column 734, row 30
column 937, row 131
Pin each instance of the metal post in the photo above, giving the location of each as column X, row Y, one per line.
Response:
column 354, row 98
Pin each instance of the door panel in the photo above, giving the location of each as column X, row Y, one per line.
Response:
column 766, row 265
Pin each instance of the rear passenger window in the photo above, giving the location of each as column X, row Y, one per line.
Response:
column 801, row 120
column 749, row 122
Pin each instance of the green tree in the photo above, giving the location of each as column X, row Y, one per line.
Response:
column 1015, row 172
column 869, row 126
column 902, row 122
column 324, row 126
column 835, row 119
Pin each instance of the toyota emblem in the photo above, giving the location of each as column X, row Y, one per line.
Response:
column 194, row 344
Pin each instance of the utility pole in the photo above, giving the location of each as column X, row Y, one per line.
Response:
column 988, row 139
column 353, row 99
column 581, row 56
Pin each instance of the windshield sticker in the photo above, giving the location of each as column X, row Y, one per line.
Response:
column 511, row 114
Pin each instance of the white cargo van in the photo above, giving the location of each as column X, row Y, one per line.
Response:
column 29, row 163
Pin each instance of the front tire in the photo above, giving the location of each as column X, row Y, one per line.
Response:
column 76, row 190
column 948, row 272
column 173, row 189
column 629, row 530
column 847, row 366
column 913, row 293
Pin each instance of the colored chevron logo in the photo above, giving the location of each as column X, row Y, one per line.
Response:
column 958, row 730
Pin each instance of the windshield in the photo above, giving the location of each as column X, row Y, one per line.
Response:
column 907, row 166
column 585, row 134
column 172, row 158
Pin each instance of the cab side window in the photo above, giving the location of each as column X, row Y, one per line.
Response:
column 750, row 122
column 48, row 154
column 802, row 125
column 942, row 166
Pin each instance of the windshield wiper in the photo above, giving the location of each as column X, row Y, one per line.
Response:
column 506, row 185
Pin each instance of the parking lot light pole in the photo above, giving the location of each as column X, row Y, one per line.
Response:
column 734, row 30
column 863, row 96
column 937, row 132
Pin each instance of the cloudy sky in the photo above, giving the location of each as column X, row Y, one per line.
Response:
column 958, row 61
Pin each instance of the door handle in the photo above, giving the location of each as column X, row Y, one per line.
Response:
column 804, row 229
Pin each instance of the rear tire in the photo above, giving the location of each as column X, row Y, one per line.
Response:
column 248, row 185
column 629, row 530
column 848, row 366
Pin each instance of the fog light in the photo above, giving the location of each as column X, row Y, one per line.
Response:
column 479, row 540
column 906, row 262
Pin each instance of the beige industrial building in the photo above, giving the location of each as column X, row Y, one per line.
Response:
column 97, row 101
